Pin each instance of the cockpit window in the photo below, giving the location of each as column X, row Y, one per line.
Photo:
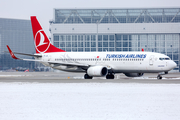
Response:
column 164, row 58
column 167, row 58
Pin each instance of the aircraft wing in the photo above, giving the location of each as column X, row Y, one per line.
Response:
column 50, row 62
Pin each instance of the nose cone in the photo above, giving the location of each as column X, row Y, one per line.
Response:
column 173, row 65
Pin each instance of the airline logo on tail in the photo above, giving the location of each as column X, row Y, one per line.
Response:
column 41, row 43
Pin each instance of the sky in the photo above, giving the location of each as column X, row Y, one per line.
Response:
column 43, row 9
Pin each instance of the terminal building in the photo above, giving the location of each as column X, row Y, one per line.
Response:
column 153, row 29
column 18, row 35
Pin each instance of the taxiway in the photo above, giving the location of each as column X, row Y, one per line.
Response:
column 66, row 77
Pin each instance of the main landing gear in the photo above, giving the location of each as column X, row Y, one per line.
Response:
column 86, row 76
column 159, row 77
column 110, row 76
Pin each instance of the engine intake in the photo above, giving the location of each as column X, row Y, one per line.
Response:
column 97, row 71
column 134, row 74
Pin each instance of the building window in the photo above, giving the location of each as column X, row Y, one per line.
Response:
column 105, row 44
column 105, row 37
column 56, row 37
column 99, row 37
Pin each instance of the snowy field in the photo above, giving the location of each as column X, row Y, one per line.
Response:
column 89, row 101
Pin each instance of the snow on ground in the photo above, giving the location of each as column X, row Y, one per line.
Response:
column 89, row 101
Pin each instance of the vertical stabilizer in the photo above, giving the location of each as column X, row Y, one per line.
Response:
column 42, row 43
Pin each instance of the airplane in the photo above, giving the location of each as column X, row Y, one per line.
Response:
column 95, row 64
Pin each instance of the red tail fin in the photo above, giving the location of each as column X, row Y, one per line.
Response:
column 42, row 43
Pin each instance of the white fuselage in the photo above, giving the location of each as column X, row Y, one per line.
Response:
column 119, row 62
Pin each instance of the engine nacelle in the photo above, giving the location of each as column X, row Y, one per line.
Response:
column 134, row 74
column 97, row 71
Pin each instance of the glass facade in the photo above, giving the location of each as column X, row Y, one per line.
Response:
column 100, row 40
column 18, row 35
column 149, row 15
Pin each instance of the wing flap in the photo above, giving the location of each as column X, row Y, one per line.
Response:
column 72, row 64
column 60, row 63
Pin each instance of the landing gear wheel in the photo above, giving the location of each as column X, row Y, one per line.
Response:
column 86, row 76
column 109, row 76
column 159, row 77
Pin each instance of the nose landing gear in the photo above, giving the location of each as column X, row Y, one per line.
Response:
column 159, row 77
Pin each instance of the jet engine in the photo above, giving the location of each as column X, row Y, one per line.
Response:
column 97, row 71
column 134, row 74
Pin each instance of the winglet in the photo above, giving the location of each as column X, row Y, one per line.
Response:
column 11, row 53
column 142, row 50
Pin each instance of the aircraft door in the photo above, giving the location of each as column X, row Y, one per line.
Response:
column 151, row 60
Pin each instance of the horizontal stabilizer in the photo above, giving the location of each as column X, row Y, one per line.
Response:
column 13, row 56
